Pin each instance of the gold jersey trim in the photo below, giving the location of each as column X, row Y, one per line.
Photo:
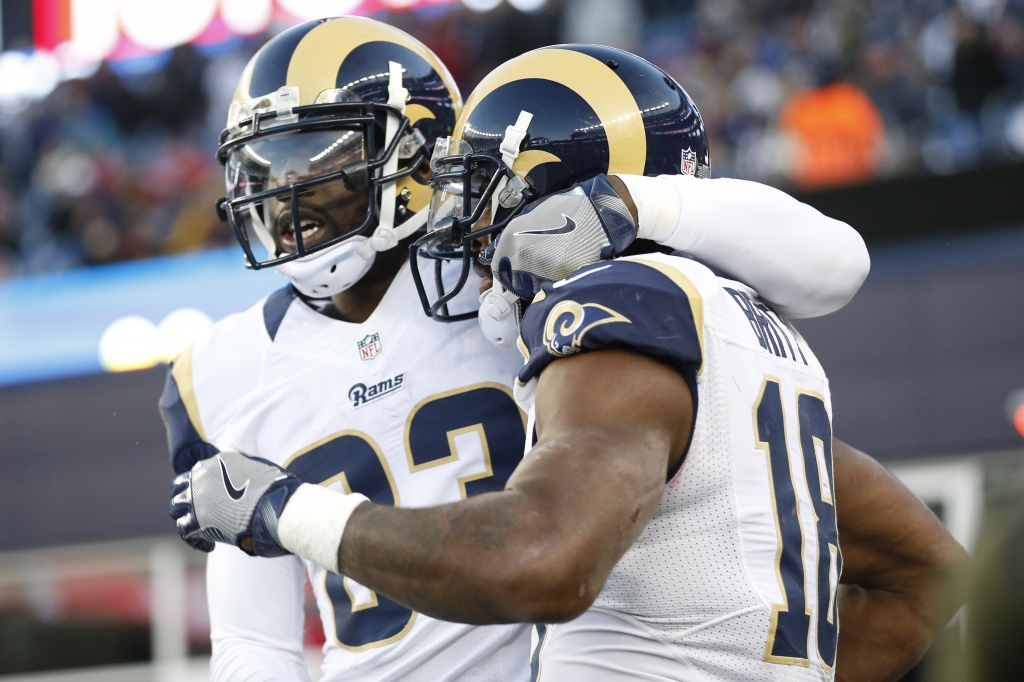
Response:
column 182, row 373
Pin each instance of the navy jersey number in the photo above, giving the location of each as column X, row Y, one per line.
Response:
column 354, row 459
column 791, row 621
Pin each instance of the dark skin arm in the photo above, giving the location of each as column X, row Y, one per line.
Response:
column 610, row 425
column 901, row 571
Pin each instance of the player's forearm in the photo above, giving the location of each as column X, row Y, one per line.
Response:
column 540, row 550
column 886, row 629
column 902, row 571
column 478, row 561
column 881, row 635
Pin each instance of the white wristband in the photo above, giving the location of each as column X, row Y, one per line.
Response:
column 313, row 522
column 658, row 206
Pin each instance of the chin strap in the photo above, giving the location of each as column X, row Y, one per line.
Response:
column 510, row 143
column 499, row 316
column 386, row 236
column 514, row 136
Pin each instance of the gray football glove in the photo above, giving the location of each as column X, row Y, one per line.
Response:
column 560, row 234
column 231, row 498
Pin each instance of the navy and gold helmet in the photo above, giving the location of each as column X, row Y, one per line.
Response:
column 541, row 123
column 329, row 125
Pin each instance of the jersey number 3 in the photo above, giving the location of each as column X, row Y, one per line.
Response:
column 791, row 621
column 482, row 417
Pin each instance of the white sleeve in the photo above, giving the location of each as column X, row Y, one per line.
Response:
column 803, row 262
column 256, row 617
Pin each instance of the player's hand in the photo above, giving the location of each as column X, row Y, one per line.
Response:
column 559, row 234
column 234, row 499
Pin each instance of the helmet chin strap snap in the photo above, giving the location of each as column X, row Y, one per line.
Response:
column 383, row 239
column 499, row 316
column 499, row 309
column 514, row 136
column 510, row 143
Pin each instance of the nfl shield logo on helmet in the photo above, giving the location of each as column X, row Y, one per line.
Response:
column 689, row 162
column 370, row 347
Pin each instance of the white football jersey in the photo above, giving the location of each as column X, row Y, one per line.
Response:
column 735, row 576
column 400, row 408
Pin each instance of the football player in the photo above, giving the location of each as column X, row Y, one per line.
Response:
column 342, row 381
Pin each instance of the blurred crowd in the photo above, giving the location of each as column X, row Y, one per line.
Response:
column 802, row 94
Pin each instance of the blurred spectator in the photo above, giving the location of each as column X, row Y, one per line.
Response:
column 976, row 71
column 113, row 167
column 120, row 164
column 615, row 23
column 838, row 133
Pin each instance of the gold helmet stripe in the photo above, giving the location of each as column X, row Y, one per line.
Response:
column 530, row 159
column 417, row 112
column 338, row 37
column 592, row 80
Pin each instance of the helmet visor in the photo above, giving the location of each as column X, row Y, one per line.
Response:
column 282, row 160
column 306, row 166
column 453, row 187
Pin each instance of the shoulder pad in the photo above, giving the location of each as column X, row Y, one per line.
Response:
column 640, row 304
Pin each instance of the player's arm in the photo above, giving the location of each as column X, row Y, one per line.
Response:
column 901, row 571
column 805, row 263
column 256, row 617
column 610, row 424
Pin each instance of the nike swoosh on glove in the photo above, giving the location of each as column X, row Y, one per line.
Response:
column 559, row 234
column 230, row 498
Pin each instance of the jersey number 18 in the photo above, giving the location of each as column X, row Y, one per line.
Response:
column 791, row 621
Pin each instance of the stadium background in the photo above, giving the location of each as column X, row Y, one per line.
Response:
column 903, row 117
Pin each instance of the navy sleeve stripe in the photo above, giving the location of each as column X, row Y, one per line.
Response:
column 184, row 440
column 275, row 308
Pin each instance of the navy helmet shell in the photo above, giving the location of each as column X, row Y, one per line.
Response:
column 595, row 110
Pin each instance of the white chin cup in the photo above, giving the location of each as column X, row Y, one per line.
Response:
column 498, row 319
column 330, row 271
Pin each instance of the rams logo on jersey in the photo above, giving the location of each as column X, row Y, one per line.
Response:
column 568, row 322
column 360, row 394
